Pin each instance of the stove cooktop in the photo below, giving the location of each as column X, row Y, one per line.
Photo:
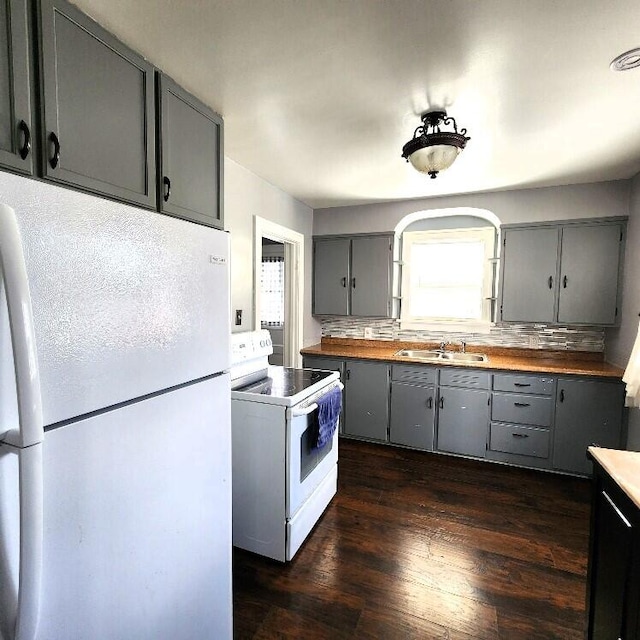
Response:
column 284, row 385
column 285, row 382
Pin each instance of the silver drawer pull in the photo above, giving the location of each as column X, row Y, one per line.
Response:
column 521, row 404
column 520, row 435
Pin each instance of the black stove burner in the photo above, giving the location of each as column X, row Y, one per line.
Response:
column 284, row 382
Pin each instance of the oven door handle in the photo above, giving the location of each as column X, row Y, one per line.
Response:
column 296, row 413
column 304, row 412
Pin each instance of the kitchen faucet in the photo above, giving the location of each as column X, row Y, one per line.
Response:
column 443, row 346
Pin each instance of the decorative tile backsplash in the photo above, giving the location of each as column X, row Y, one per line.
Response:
column 525, row 336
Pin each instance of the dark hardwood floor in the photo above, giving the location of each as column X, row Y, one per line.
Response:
column 418, row 545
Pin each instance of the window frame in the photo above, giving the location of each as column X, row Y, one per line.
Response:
column 489, row 236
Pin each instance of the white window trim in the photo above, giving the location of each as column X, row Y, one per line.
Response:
column 410, row 238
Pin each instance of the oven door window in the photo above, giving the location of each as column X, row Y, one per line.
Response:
column 310, row 457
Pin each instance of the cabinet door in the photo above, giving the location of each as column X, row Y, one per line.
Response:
column 15, row 103
column 587, row 412
column 530, row 258
column 331, row 277
column 412, row 415
column 463, row 421
column 371, row 260
column 589, row 274
column 190, row 180
column 611, row 567
column 367, row 400
column 99, row 112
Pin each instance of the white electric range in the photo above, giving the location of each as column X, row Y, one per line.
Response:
column 281, row 483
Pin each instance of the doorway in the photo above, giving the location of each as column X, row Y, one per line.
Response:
column 291, row 248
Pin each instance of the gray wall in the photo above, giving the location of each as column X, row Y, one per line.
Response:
column 524, row 205
column 245, row 196
column 619, row 342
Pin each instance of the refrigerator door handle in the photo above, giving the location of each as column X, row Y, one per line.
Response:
column 25, row 357
column 31, row 538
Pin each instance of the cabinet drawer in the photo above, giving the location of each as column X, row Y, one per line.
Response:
column 542, row 385
column 413, row 373
column 522, row 409
column 522, row 440
column 464, row 378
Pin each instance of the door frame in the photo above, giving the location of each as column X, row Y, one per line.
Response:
column 293, row 242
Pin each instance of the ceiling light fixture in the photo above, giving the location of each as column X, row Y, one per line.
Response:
column 626, row 61
column 432, row 150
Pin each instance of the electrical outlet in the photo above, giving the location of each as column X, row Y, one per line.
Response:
column 534, row 342
column 368, row 333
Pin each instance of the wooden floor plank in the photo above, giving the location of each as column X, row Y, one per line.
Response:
column 418, row 545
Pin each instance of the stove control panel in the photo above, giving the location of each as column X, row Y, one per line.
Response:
column 250, row 345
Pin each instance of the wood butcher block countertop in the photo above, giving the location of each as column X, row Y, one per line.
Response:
column 581, row 363
column 623, row 467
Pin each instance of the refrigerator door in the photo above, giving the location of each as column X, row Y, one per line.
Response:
column 125, row 301
column 137, row 521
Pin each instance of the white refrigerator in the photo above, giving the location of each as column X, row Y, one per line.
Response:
column 115, row 455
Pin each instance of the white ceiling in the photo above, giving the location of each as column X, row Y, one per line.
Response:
column 319, row 96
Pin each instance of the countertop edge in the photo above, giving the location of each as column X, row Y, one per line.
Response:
column 623, row 467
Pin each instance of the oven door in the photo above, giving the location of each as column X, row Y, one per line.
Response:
column 307, row 467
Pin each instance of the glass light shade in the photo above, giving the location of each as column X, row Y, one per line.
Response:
column 434, row 158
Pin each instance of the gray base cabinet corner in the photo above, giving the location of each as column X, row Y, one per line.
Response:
column 588, row 412
column 353, row 276
column 190, row 177
column 367, row 400
column 16, row 125
column 99, row 108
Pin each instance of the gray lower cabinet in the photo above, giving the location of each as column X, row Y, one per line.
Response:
column 463, row 412
column 16, row 127
column 563, row 273
column 367, row 400
column 522, row 416
column 99, row 108
column 352, row 276
column 191, row 156
column 588, row 412
column 413, row 406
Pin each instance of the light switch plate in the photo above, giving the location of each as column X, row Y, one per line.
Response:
column 368, row 333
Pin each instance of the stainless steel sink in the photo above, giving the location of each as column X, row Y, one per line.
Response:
column 440, row 356
column 420, row 354
column 456, row 356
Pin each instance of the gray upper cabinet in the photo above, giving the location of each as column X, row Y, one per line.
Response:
column 529, row 259
column 366, row 400
column 191, row 157
column 16, row 127
column 371, row 260
column 587, row 413
column 331, row 282
column 589, row 273
column 565, row 273
column 352, row 276
column 99, row 108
